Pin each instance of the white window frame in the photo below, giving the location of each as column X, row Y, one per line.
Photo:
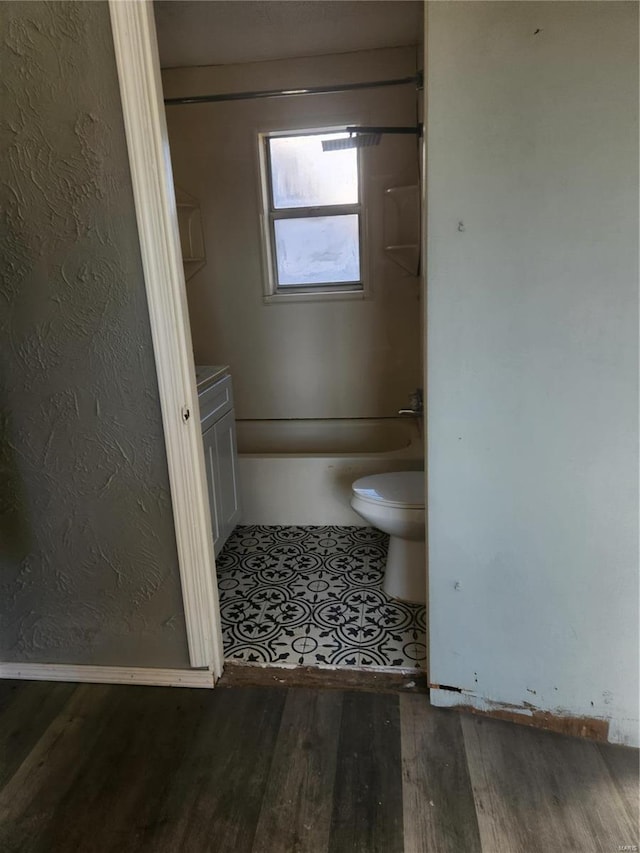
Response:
column 269, row 214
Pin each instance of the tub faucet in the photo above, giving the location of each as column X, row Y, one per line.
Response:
column 415, row 404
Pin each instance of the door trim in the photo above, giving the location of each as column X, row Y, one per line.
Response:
column 136, row 51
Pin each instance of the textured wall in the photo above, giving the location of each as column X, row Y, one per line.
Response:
column 89, row 569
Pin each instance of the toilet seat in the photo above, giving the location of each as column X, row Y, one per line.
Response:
column 394, row 503
column 394, row 489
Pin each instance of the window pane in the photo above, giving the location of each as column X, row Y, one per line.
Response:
column 317, row 250
column 303, row 175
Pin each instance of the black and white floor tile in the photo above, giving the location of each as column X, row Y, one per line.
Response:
column 313, row 596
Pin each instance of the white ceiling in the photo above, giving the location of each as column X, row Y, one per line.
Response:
column 220, row 32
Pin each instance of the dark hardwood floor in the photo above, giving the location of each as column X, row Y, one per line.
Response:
column 278, row 769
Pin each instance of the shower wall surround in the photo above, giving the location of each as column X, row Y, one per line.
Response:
column 89, row 569
column 327, row 357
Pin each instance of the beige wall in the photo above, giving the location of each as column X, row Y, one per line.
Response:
column 88, row 561
column 326, row 358
column 533, row 355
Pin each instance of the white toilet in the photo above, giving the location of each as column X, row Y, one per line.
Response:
column 394, row 503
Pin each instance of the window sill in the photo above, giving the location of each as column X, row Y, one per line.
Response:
column 316, row 296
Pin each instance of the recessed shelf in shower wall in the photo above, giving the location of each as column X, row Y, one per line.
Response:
column 191, row 233
column 402, row 226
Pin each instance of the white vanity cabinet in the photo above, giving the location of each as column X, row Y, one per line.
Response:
column 217, row 419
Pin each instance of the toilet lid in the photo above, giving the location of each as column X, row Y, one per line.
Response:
column 399, row 488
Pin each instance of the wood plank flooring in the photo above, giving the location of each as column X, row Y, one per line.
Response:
column 296, row 769
column 439, row 811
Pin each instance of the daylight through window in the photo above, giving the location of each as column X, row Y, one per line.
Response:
column 313, row 201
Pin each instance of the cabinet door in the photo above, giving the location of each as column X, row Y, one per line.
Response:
column 227, row 475
column 211, row 465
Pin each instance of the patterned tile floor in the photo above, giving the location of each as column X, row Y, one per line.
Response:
column 313, row 595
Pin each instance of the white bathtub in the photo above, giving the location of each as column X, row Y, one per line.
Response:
column 300, row 471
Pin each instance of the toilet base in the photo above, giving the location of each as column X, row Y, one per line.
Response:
column 405, row 576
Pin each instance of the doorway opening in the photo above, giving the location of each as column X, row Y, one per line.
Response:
column 320, row 353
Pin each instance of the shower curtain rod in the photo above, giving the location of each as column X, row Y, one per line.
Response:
column 280, row 93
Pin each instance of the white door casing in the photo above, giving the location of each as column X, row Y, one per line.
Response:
column 138, row 65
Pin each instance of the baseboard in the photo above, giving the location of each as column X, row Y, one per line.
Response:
column 108, row 674
column 605, row 730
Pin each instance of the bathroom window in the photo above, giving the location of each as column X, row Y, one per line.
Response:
column 312, row 214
